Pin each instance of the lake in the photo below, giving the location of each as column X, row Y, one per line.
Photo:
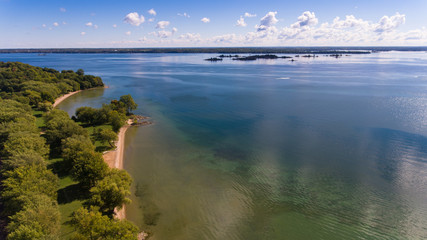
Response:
column 319, row 148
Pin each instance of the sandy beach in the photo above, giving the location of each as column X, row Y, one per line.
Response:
column 63, row 97
column 114, row 159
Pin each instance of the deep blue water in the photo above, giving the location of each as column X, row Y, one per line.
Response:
column 319, row 148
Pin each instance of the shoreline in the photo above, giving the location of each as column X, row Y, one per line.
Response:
column 114, row 159
column 63, row 97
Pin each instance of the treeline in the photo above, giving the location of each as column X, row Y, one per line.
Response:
column 39, row 87
column 29, row 188
column 224, row 50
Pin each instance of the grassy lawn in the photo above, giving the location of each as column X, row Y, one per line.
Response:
column 39, row 119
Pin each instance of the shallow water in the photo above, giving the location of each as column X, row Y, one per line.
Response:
column 319, row 148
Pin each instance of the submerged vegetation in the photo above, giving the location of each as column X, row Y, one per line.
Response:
column 37, row 159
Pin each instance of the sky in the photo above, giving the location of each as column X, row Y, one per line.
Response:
column 213, row 23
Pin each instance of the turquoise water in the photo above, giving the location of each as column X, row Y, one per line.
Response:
column 319, row 148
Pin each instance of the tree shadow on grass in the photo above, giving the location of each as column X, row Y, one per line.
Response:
column 103, row 148
column 60, row 168
column 72, row 193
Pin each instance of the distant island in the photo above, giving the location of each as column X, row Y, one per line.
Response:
column 222, row 50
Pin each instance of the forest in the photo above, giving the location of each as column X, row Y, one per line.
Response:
column 54, row 181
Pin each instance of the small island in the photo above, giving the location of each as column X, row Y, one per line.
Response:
column 214, row 59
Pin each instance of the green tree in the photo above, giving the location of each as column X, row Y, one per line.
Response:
column 117, row 120
column 129, row 103
column 74, row 145
column 19, row 142
column 22, row 159
column 111, row 192
column 23, row 182
column 40, row 219
column 86, row 115
column 89, row 167
column 59, row 126
column 106, row 135
column 92, row 225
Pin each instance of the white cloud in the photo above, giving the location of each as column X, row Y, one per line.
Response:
column 128, row 33
column 349, row 22
column 64, row 23
column 95, row 26
column 62, row 9
column 152, row 12
column 83, row 33
column 89, row 24
column 134, row 19
column 241, row 22
column 349, row 31
column 205, row 20
column 249, row 15
column 151, row 20
column 114, row 25
column 184, row 15
column 307, row 19
column 226, row 38
column 192, row 37
column 55, row 24
column 269, row 20
column 162, row 24
column 387, row 24
column 164, row 33
column 44, row 25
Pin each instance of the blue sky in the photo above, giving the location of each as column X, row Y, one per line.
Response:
column 185, row 23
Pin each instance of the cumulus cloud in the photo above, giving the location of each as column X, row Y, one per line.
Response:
column 249, row 15
column 350, row 30
column 152, row 12
column 64, row 23
column 205, row 20
column 387, row 24
column 128, row 33
column 55, row 24
column 114, row 25
column 269, row 20
column 44, row 25
column 226, row 38
column 89, row 24
column 134, row 19
column 62, row 9
column 83, row 33
column 151, row 20
column 241, row 22
column 306, row 19
column 163, row 34
column 162, row 24
column 184, row 15
column 350, row 21
column 192, row 37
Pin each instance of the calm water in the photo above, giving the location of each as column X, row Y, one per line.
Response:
column 320, row 148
